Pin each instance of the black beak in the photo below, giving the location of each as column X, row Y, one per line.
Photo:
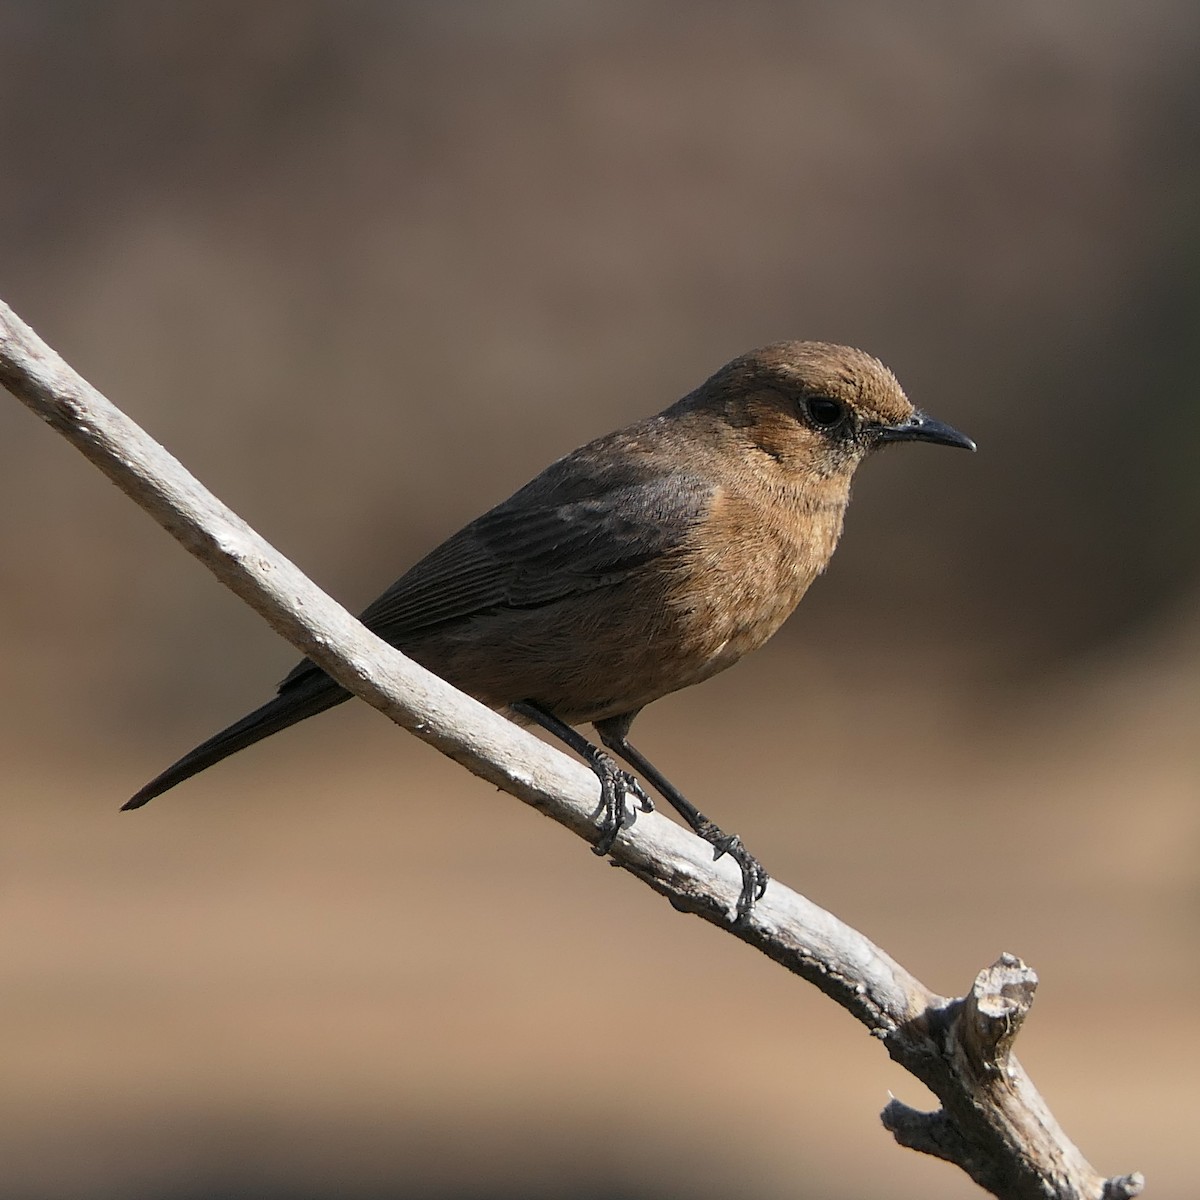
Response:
column 920, row 428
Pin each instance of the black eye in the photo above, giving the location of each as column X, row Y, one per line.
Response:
column 824, row 412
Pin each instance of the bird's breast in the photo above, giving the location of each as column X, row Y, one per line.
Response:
column 749, row 570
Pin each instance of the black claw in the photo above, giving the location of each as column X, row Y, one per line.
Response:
column 754, row 878
column 615, row 785
column 724, row 845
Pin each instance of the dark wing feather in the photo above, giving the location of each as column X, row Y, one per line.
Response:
column 571, row 530
column 526, row 553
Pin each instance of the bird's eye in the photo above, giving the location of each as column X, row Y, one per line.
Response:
column 824, row 412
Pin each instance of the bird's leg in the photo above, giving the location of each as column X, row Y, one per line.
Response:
column 615, row 784
column 613, row 732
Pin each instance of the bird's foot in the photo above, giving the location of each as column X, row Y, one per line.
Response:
column 754, row 878
column 615, row 786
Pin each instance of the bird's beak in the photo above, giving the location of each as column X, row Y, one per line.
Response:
column 920, row 428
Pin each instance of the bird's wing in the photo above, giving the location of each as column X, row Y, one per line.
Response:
column 569, row 531
column 538, row 548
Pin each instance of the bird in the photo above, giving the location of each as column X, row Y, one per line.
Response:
column 646, row 561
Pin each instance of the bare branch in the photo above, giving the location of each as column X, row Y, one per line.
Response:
column 992, row 1122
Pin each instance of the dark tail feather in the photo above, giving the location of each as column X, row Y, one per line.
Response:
column 305, row 698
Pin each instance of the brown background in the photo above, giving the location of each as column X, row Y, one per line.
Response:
column 366, row 267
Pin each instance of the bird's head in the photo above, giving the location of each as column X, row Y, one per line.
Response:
column 817, row 407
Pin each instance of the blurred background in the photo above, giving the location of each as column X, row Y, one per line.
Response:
column 365, row 268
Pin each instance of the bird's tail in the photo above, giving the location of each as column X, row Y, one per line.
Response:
column 309, row 695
